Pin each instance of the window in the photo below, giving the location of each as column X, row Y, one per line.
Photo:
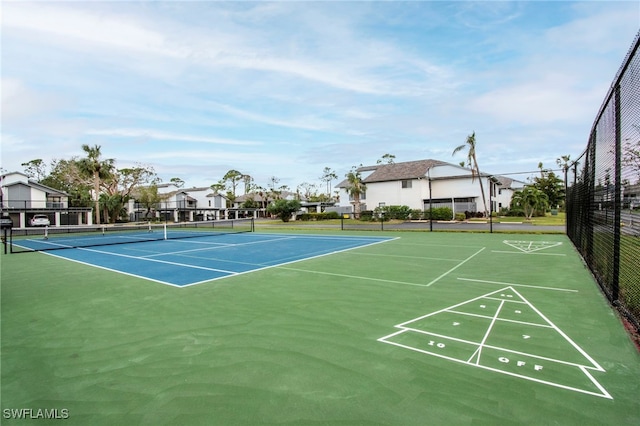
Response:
column 406, row 184
column 363, row 196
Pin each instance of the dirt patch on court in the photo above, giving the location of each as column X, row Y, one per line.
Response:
column 633, row 332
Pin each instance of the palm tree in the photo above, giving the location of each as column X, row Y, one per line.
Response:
column 355, row 189
column 530, row 199
column 472, row 161
column 97, row 169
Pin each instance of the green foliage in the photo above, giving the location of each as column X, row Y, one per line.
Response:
column 460, row 217
column 417, row 214
column 355, row 188
column 392, row 212
column 552, row 186
column 319, row 216
column 35, row 169
column 250, row 204
column 530, row 200
column 366, row 215
column 148, row 196
column 631, row 157
column 439, row 213
column 284, row 209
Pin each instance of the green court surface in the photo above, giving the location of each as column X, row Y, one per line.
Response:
column 425, row 329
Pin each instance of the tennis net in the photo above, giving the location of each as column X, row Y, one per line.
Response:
column 64, row 237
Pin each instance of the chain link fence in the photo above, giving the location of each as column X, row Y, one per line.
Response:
column 603, row 192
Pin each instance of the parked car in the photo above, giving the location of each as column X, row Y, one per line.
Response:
column 40, row 220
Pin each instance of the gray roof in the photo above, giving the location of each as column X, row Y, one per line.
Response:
column 509, row 183
column 402, row 171
column 44, row 188
column 396, row 171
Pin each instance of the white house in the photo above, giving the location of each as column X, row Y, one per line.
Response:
column 22, row 197
column 181, row 205
column 264, row 199
column 424, row 183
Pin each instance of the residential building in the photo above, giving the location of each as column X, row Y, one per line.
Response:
column 22, row 198
column 182, row 205
column 430, row 183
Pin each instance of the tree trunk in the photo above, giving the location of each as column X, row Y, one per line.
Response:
column 96, row 189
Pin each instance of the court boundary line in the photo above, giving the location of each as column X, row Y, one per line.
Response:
column 456, row 267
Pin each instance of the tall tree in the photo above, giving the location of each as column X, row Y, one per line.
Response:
column 149, row 197
column 472, row 162
column 98, row 169
column 66, row 176
column 248, row 184
column 631, row 158
column 551, row 185
column 274, row 189
column 355, row 188
column 387, row 159
column 35, row 169
column 232, row 178
column 328, row 175
column 120, row 187
column 179, row 183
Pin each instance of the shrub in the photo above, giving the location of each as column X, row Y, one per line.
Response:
column 319, row 216
column 366, row 215
column 284, row 209
column 439, row 213
column 460, row 217
column 392, row 212
column 416, row 214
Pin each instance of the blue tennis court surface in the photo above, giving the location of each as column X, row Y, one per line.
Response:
column 193, row 261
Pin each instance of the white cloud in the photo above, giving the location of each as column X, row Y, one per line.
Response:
column 291, row 87
column 20, row 102
column 168, row 136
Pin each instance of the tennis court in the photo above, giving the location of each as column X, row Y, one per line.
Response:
column 316, row 328
column 190, row 261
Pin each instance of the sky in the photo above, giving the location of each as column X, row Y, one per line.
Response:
column 284, row 89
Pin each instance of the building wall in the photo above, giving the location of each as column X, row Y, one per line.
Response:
column 448, row 182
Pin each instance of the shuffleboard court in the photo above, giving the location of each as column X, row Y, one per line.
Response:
column 193, row 261
column 310, row 327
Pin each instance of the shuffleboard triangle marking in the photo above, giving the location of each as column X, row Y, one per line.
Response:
column 483, row 332
column 531, row 246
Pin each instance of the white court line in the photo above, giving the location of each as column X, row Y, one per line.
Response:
column 110, row 269
column 355, row 277
column 406, row 257
column 604, row 393
column 212, row 246
column 476, row 356
column 562, row 333
column 157, row 261
column 486, row 335
column 519, row 285
column 456, row 267
column 528, row 253
column 532, row 324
